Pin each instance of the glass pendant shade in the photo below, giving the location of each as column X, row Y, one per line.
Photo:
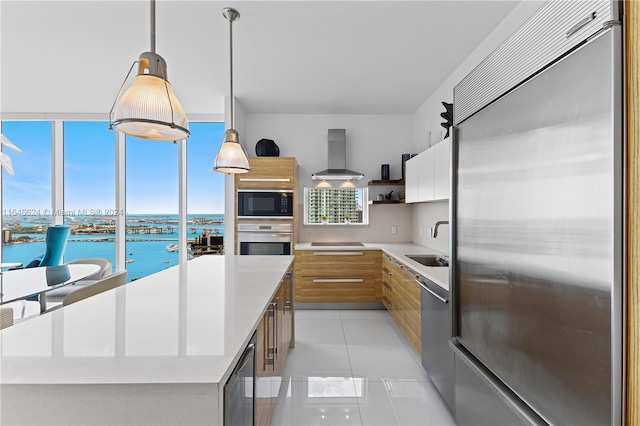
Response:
column 231, row 158
column 149, row 109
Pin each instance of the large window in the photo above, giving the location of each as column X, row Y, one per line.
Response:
column 152, row 206
column 205, row 188
column 89, row 193
column 26, row 196
column 89, row 190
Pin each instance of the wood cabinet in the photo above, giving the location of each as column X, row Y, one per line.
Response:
column 428, row 174
column 412, row 322
column 335, row 276
column 392, row 294
column 269, row 172
column 275, row 335
column 401, row 297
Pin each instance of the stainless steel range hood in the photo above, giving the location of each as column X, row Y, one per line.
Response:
column 337, row 159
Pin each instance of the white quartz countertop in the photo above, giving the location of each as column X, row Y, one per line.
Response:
column 439, row 275
column 186, row 324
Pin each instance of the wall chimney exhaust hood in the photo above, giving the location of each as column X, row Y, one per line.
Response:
column 337, row 159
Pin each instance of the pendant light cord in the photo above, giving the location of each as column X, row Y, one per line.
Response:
column 153, row 25
column 231, row 100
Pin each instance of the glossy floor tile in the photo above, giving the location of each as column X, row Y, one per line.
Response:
column 355, row 368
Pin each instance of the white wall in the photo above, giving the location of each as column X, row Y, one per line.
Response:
column 372, row 140
column 426, row 122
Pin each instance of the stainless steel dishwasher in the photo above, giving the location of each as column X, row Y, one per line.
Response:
column 239, row 391
column 437, row 358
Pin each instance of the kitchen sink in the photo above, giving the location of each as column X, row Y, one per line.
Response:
column 430, row 259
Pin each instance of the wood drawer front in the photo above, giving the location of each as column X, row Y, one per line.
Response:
column 387, row 288
column 396, row 313
column 313, row 262
column 411, row 294
column 333, row 289
column 390, row 269
column 269, row 172
column 412, row 328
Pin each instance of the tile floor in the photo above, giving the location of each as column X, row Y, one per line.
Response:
column 354, row 367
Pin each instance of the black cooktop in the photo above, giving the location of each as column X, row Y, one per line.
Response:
column 345, row 244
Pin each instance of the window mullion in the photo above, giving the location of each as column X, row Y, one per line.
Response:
column 57, row 173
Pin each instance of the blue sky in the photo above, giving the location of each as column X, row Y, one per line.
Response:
column 89, row 174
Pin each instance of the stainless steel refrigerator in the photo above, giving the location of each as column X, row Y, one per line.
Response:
column 537, row 246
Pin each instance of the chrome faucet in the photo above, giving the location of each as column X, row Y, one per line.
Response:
column 438, row 223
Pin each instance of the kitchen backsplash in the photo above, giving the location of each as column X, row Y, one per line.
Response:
column 425, row 216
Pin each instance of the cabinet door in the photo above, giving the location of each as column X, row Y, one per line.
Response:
column 425, row 174
column 392, row 296
column 411, row 180
column 442, row 170
column 333, row 276
column 412, row 316
column 269, row 172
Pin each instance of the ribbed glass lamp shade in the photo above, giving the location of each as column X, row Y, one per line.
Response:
column 145, row 111
column 231, row 158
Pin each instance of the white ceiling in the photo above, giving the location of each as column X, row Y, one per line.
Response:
column 289, row 56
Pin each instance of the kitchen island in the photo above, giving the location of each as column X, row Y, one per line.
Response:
column 156, row 351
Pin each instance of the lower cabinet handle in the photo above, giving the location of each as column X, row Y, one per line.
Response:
column 275, row 332
column 268, row 359
column 338, row 253
column 388, row 303
column 386, row 271
column 338, row 280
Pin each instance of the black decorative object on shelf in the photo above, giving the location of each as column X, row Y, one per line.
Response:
column 384, row 172
column 267, row 148
column 448, row 115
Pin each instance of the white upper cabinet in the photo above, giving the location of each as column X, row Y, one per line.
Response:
column 442, row 170
column 411, row 179
column 428, row 174
column 425, row 175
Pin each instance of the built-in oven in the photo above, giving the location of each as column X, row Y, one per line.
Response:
column 265, row 238
column 265, row 204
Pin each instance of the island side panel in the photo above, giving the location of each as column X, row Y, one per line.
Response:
column 111, row 404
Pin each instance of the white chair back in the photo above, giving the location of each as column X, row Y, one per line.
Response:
column 102, row 262
column 109, row 282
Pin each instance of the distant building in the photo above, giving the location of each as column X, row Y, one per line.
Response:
column 7, row 236
column 338, row 204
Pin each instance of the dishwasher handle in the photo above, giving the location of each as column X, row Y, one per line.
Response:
column 246, row 357
column 433, row 293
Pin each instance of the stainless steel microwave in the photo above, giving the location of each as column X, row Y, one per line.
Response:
column 265, row 204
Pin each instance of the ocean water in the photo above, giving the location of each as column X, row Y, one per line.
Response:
column 148, row 251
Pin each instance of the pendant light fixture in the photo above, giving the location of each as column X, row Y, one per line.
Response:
column 149, row 109
column 232, row 157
